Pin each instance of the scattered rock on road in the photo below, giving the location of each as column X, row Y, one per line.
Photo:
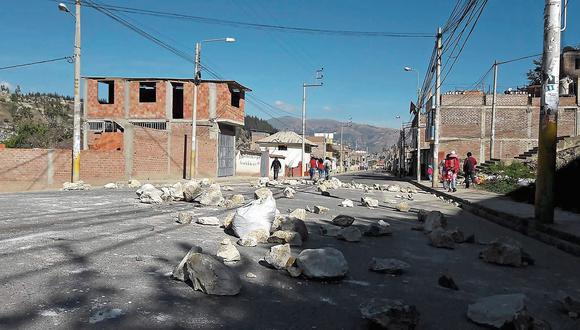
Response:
column 369, row 201
column 289, row 192
column 440, row 238
column 320, row 209
column 179, row 272
column 504, row 251
column 447, row 281
column 280, row 256
column 228, row 252
column 285, row 236
column 432, row 220
column 331, row 231
column 299, row 213
column 325, row 263
column 347, row 203
column 496, row 311
column 570, row 304
column 349, row 234
column 343, row 220
column 111, row 185
column 208, row 221
column 210, row 276
column 394, row 188
column 79, row 185
column 133, row 183
column 212, row 196
column 403, row 207
column 390, row 314
column 237, row 199
column 263, row 193
column 247, row 241
column 294, row 224
column 260, row 235
column 228, row 219
column 251, row 275
column 381, row 228
column 148, row 194
column 191, row 190
column 388, row 266
column 184, row 217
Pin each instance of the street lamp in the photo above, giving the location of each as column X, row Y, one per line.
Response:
column 409, row 69
column 76, row 153
column 196, row 82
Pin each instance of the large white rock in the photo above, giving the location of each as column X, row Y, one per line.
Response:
column 148, row 194
column 325, row 263
column 191, row 190
column 263, row 193
column 133, row 183
column 208, row 221
column 111, row 185
column 212, row 196
column 347, row 203
column 228, row 252
column 210, row 276
column 299, row 213
column 496, row 311
column 369, row 202
column 280, row 256
column 79, row 185
column 289, row 192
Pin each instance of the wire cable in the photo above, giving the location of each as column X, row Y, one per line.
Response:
column 68, row 58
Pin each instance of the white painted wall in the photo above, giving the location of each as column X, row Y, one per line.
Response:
column 247, row 164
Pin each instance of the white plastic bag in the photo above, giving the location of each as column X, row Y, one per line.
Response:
column 257, row 215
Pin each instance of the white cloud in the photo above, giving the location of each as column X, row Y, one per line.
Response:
column 327, row 108
column 285, row 106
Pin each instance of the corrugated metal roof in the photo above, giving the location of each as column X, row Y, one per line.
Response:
column 232, row 82
column 286, row 137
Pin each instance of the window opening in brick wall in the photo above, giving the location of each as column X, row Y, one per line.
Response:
column 177, row 89
column 106, row 91
column 577, row 63
column 147, row 92
column 282, row 147
column 236, row 96
column 307, row 149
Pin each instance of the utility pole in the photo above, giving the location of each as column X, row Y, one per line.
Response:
column 437, row 109
column 76, row 159
column 547, row 138
column 196, row 82
column 304, row 86
column 493, row 102
column 349, row 124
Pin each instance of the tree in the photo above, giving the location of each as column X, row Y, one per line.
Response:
column 535, row 75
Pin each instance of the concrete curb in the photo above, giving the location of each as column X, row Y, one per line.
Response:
column 527, row 226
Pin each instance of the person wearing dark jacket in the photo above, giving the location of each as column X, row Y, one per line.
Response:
column 276, row 166
column 469, row 169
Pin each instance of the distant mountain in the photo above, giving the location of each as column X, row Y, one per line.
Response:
column 358, row 135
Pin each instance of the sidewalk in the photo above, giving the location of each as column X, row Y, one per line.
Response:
column 564, row 233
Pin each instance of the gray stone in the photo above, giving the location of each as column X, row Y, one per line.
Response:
column 325, row 263
column 150, row 196
column 229, row 218
column 176, row 192
column 320, row 209
column 280, row 256
column 247, row 241
column 227, row 188
column 289, row 192
column 403, row 207
column 322, row 188
column 261, row 236
column 294, row 224
column 496, row 311
column 211, row 276
column 184, row 217
column 111, row 185
column 376, row 229
column 349, row 234
column 294, row 271
column 369, row 202
column 285, row 236
column 133, row 183
column 343, row 220
column 208, row 221
column 191, row 190
column 440, row 238
column 212, row 196
column 299, row 213
column 347, row 203
column 263, row 193
column 79, row 185
column 394, row 188
column 433, row 220
column 331, row 231
column 390, row 314
column 271, row 183
column 228, row 252
column 237, row 199
column 447, row 281
column 503, row 251
column 179, row 271
column 388, row 266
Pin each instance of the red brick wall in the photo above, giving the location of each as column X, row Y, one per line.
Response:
column 105, row 140
column 179, row 131
column 102, row 166
column 150, row 154
column 206, row 152
column 97, row 110
column 23, row 169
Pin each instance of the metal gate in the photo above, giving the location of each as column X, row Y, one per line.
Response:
column 226, row 152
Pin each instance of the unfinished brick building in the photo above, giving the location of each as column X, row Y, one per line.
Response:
column 149, row 121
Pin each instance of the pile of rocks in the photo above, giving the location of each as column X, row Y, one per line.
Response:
column 79, row 185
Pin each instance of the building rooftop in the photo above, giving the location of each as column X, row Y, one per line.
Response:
column 286, row 137
column 229, row 82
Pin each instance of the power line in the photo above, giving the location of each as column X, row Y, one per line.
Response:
column 68, row 58
column 279, row 28
column 519, row 58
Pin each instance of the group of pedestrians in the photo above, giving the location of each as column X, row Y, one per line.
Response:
column 450, row 169
column 322, row 166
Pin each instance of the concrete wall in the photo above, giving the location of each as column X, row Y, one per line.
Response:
column 248, row 163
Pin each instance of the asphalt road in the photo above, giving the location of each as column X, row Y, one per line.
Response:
column 67, row 258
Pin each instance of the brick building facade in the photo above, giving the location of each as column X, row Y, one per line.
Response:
column 114, row 106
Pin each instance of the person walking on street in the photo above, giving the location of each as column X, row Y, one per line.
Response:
column 469, row 169
column 452, row 167
column 327, row 167
column 320, row 165
column 443, row 173
column 313, row 167
column 276, row 166
column 430, row 172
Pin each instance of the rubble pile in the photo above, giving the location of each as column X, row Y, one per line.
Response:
column 79, row 185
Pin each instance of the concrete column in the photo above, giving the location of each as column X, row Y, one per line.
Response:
column 168, row 100
column 128, row 139
column 577, row 130
column 50, row 167
column 169, row 149
column 212, row 98
column 127, row 99
column 482, row 135
column 85, row 127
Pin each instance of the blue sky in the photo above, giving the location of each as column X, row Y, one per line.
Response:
column 363, row 79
